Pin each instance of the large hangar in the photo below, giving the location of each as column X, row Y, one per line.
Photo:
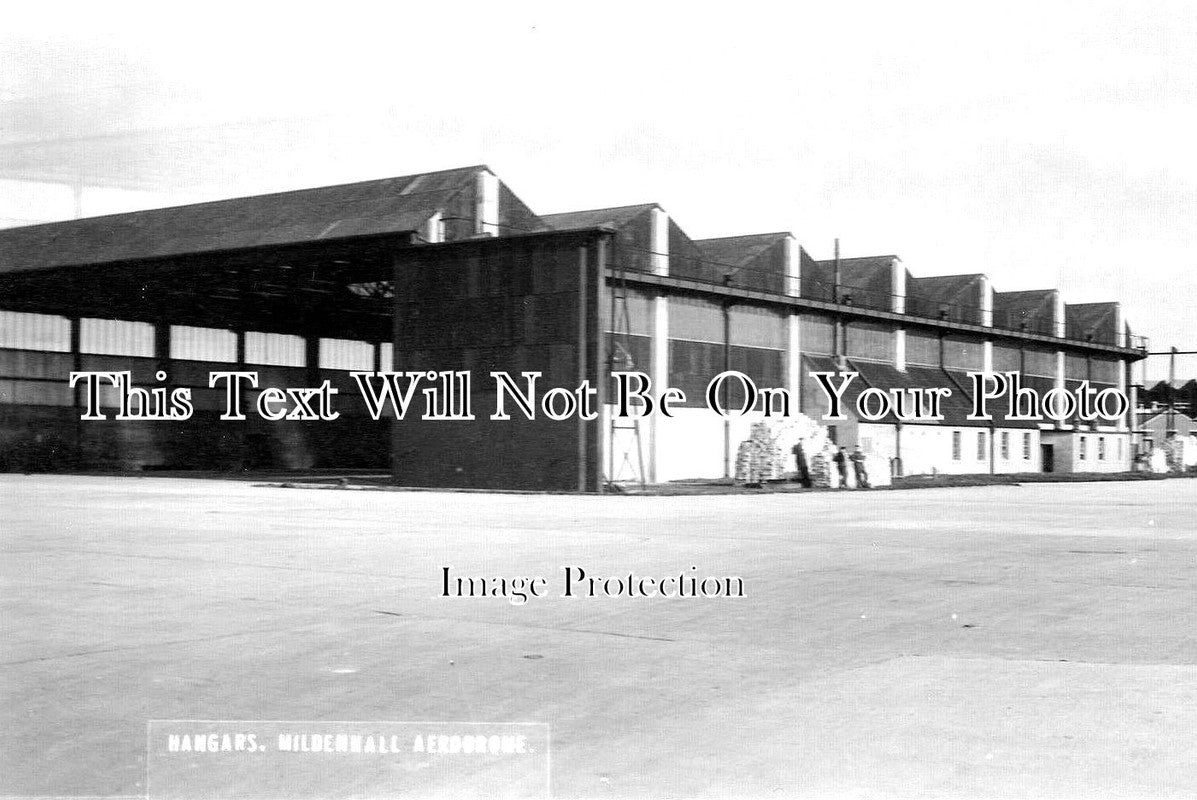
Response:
column 451, row 271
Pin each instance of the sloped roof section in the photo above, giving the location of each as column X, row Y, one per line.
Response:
column 613, row 217
column 737, row 251
column 860, row 271
column 955, row 297
column 1035, row 309
column 946, row 288
column 864, row 281
column 1097, row 320
column 390, row 205
column 1025, row 303
column 1029, row 298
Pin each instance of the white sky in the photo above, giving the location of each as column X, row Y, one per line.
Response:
column 1044, row 143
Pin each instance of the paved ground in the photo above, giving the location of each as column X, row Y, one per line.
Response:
column 1003, row 641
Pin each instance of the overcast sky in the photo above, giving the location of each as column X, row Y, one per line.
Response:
column 1044, row 143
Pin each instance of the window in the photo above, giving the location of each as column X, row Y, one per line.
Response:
column 274, row 349
column 202, row 344
column 1081, row 449
column 113, row 337
column 34, row 332
column 1005, row 445
column 1026, row 446
column 980, row 445
column 1101, row 448
column 347, row 354
column 955, row 445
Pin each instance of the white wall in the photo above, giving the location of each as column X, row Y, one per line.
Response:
column 927, row 450
column 688, row 445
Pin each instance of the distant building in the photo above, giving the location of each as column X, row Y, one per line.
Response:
column 451, row 271
column 1156, row 425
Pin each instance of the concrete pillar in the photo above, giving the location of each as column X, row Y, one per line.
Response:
column 660, row 242
column 311, row 359
column 1061, row 365
column 1123, row 366
column 898, row 286
column 162, row 346
column 433, row 231
column 486, row 204
column 1060, row 319
column 900, row 349
column 660, row 378
column 987, row 356
column 794, row 360
column 77, row 366
column 986, row 302
column 793, row 267
column 1133, row 395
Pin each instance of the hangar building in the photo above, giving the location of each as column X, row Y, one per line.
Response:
column 450, row 270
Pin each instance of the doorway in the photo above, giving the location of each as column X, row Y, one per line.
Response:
column 1047, row 454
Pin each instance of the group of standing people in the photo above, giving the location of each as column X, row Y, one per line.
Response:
column 841, row 459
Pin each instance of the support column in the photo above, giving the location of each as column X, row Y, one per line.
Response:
column 794, row 361
column 583, row 343
column 660, row 242
column 311, row 359
column 793, row 267
column 77, row 366
column 897, row 287
column 486, row 204
column 433, row 231
column 660, row 378
column 659, row 258
column 1061, row 365
column 986, row 302
column 162, row 346
column 1123, row 369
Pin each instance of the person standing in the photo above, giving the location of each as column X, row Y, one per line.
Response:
column 841, row 464
column 803, row 469
column 858, row 465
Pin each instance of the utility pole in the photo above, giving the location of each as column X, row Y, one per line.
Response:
column 837, row 279
column 1172, row 390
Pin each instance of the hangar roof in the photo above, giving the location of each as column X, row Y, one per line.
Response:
column 1089, row 316
column 390, row 205
column 944, row 288
column 593, row 218
column 736, row 251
